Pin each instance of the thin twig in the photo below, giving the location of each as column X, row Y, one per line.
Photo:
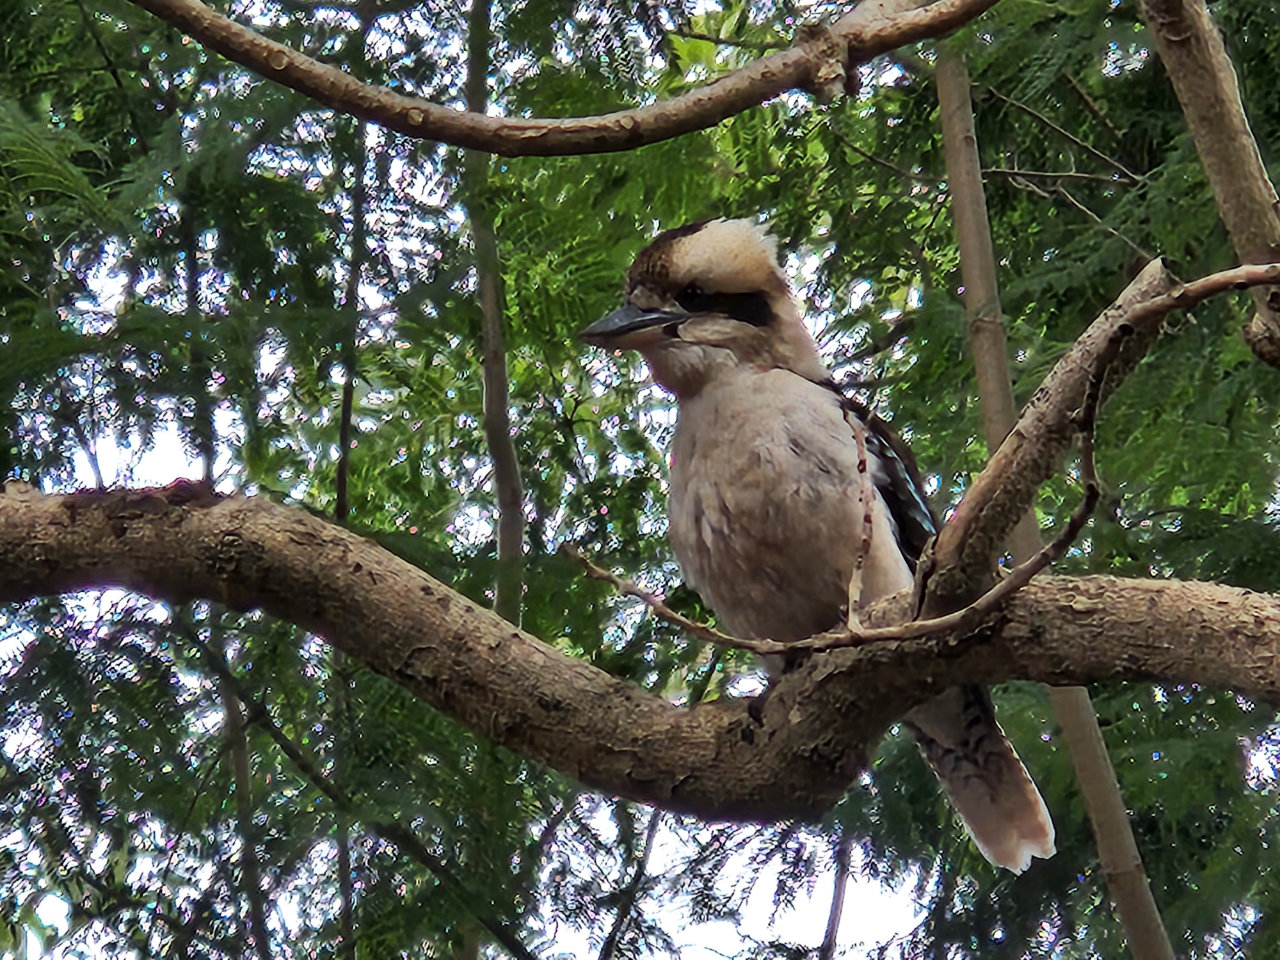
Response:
column 1023, row 184
column 961, row 620
column 898, row 328
column 1065, row 194
column 1092, row 106
column 628, row 895
column 1053, row 175
column 84, row 439
column 629, row 588
column 256, row 712
column 759, row 45
column 92, row 28
column 869, row 384
column 900, row 171
column 1066, row 134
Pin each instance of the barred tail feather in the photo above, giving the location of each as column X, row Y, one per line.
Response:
column 987, row 783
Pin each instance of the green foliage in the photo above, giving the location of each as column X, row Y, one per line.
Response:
column 176, row 242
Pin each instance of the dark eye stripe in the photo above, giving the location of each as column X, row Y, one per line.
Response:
column 752, row 307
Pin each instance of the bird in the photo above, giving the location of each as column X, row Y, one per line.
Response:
column 789, row 503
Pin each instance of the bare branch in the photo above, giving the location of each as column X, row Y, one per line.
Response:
column 1132, row 245
column 182, row 543
column 879, row 161
column 629, row 588
column 1054, row 175
column 1092, row 106
column 898, row 328
column 1205, row 82
column 628, row 895
column 855, row 38
column 1034, row 448
column 998, row 499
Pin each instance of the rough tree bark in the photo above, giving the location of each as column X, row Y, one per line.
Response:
column 713, row 760
column 1118, row 851
column 999, row 497
column 1205, row 81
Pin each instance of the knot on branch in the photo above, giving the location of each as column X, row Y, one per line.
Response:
column 828, row 57
column 1263, row 337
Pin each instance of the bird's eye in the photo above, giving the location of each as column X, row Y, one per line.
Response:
column 693, row 297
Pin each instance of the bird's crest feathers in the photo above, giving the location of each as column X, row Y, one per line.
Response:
column 720, row 256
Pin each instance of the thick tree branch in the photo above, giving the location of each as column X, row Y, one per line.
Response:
column 855, row 38
column 1034, row 449
column 1205, row 82
column 181, row 543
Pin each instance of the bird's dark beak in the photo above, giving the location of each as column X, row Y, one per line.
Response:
column 629, row 326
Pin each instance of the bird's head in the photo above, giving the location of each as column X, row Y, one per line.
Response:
column 707, row 299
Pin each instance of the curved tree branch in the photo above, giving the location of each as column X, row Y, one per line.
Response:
column 181, row 543
column 1035, row 447
column 814, row 62
column 1202, row 76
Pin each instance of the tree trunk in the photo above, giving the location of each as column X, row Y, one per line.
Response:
column 509, row 489
column 336, row 684
column 1122, row 865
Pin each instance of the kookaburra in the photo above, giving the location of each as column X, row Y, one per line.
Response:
column 768, row 511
